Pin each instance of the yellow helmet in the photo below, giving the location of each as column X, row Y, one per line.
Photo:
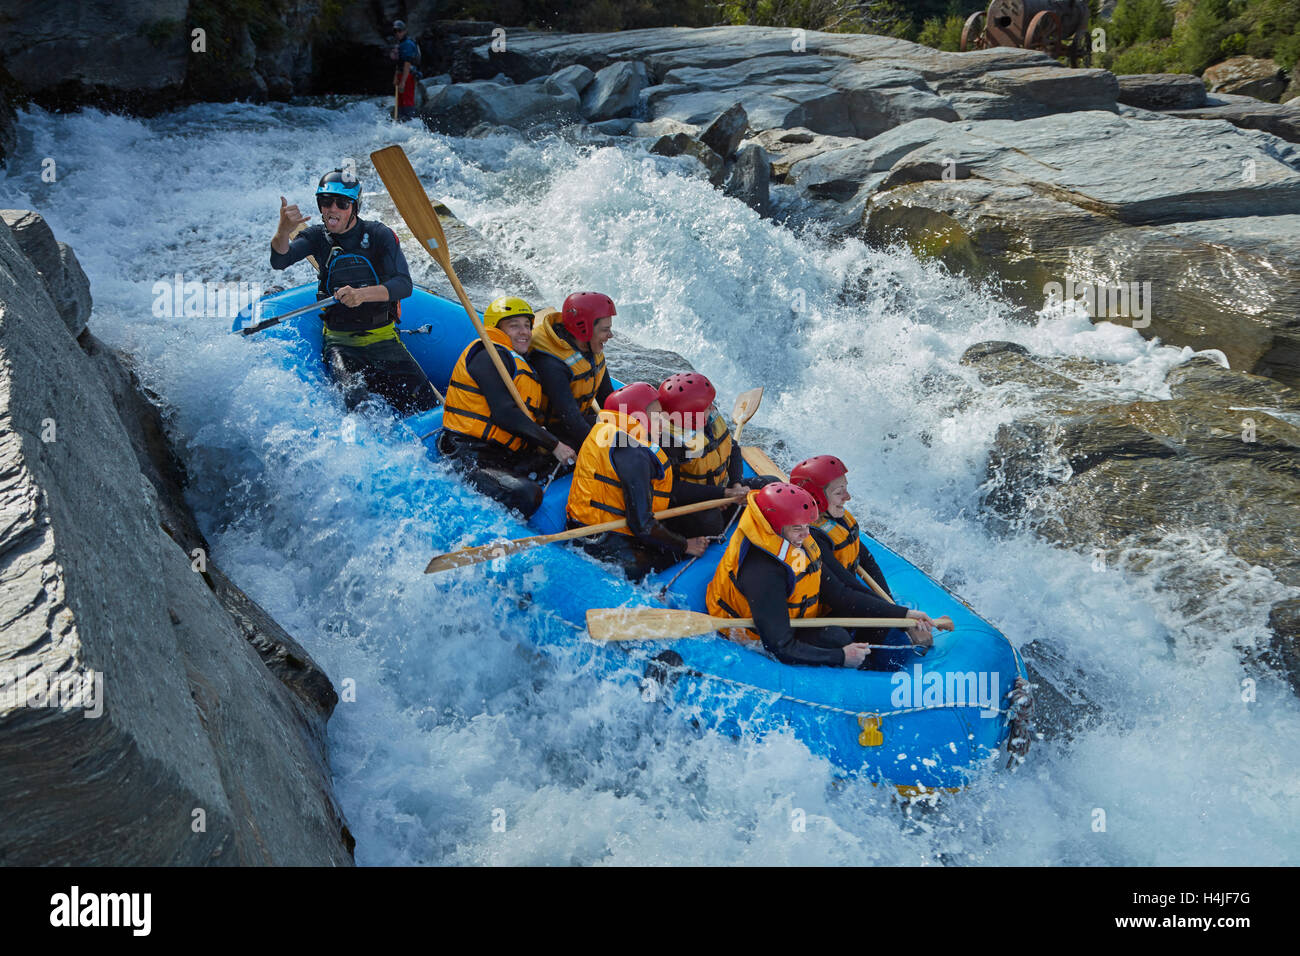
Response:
column 505, row 307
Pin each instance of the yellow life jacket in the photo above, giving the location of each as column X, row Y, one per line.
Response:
column 584, row 376
column 803, row 571
column 596, row 495
column 467, row 412
column 710, row 468
column 843, row 533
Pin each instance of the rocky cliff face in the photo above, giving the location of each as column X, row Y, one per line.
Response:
column 150, row 712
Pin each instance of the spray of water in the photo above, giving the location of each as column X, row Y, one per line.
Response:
column 466, row 745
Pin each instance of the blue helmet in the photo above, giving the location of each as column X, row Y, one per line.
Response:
column 334, row 183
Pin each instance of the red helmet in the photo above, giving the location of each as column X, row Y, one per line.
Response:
column 633, row 398
column 782, row 504
column 814, row 474
column 688, row 392
column 582, row 310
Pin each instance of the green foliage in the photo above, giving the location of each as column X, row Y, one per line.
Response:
column 942, row 33
column 1139, row 21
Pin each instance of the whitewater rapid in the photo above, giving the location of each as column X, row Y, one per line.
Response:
column 464, row 745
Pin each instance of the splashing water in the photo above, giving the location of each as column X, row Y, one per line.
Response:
column 459, row 723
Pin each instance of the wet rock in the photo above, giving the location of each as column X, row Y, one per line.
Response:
column 576, row 78
column 1246, row 76
column 1162, row 91
column 724, row 134
column 56, row 264
column 683, row 144
column 192, row 726
column 785, row 147
column 614, row 91
column 457, row 108
column 748, row 178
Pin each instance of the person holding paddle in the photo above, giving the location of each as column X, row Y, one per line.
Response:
column 497, row 446
column 408, row 60
column 622, row 473
column 568, row 354
column 825, row 477
column 771, row 573
column 362, row 268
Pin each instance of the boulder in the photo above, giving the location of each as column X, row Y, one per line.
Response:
column 656, row 128
column 785, row 147
column 1031, row 92
column 456, row 108
column 576, row 78
column 724, row 134
column 683, row 144
column 614, row 91
column 170, row 742
column 56, row 264
column 1162, row 91
column 1245, row 112
column 1246, row 76
column 748, row 178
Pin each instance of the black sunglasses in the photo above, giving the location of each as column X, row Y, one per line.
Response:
column 339, row 202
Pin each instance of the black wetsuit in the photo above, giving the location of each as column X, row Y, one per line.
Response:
column 510, row 477
column 384, row 367
column 848, row 577
column 654, row 545
column 762, row 580
column 564, row 417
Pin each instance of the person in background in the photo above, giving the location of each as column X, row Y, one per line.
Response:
column 568, row 354
column 362, row 267
column 407, row 73
column 498, row 447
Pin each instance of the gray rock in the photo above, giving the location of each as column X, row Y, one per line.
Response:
column 1162, row 91
column 457, row 108
column 56, row 264
column 1282, row 121
column 748, row 178
column 724, row 134
column 660, row 127
column 683, row 144
column 614, row 127
column 192, row 720
column 786, row 147
column 576, row 78
column 614, row 91
column 1246, row 76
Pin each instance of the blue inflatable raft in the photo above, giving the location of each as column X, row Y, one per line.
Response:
column 929, row 726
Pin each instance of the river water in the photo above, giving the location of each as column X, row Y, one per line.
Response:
column 464, row 746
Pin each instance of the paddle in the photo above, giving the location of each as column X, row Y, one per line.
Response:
column 661, row 624
column 488, row 552
column 397, row 98
column 267, row 323
column 746, row 405
column 757, row 459
column 417, row 211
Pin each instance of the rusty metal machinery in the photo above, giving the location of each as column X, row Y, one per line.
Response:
column 1057, row 27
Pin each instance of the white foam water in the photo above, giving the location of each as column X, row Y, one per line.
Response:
column 465, row 745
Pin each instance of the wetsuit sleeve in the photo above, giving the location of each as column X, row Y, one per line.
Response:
column 852, row 602
column 554, row 376
column 501, row 406
column 300, row 247
column 395, row 274
column 635, row 469
column 763, row 583
column 604, row 389
column 869, row 565
column 846, row 577
column 735, row 464
column 689, row 492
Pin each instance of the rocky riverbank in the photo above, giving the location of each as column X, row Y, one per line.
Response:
column 1144, row 199
column 150, row 712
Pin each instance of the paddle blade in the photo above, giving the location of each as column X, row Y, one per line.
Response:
column 645, row 623
column 484, row 552
column 746, row 405
column 758, row 459
column 412, row 201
